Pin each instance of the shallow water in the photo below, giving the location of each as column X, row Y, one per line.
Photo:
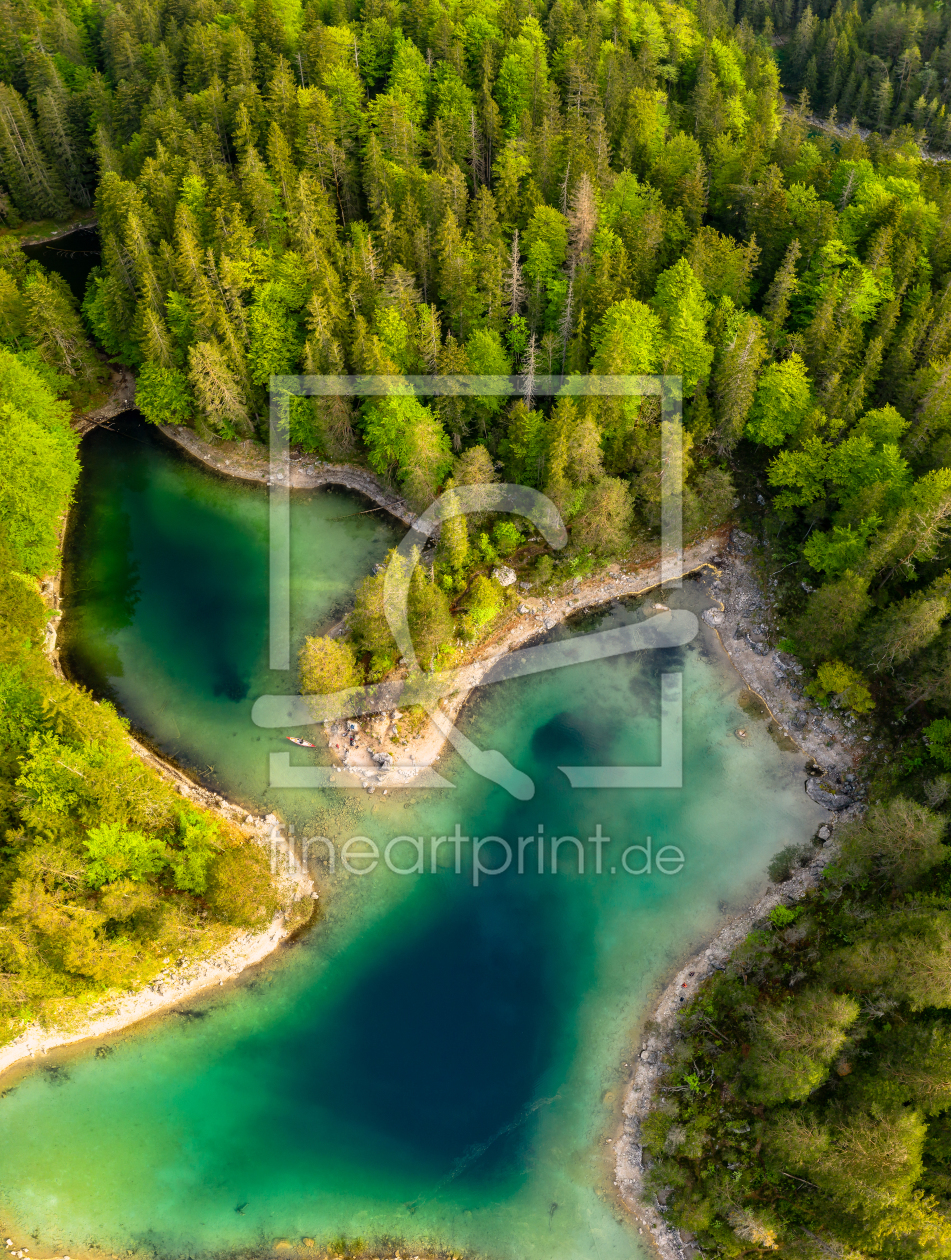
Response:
column 73, row 256
column 437, row 1060
column 166, row 598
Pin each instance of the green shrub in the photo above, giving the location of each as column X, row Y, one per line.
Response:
column 116, row 853
column 843, row 685
column 783, row 916
column 938, row 736
column 483, row 601
column 783, row 863
column 327, row 665
column 506, row 536
column 240, row 890
column 543, row 569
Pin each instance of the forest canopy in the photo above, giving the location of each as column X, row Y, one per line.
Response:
column 750, row 197
column 106, row 873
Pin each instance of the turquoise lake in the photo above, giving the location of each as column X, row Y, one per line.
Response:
column 434, row 1062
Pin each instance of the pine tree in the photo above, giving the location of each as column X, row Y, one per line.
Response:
column 430, row 620
column 219, row 395
column 680, row 301
column 453, row 550
column 54, row 327
column 34, row 186
column 582, row 219
column 734, row 380
column 783, row 287
column 513, row 284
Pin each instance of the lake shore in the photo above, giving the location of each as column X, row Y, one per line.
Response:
column 119, row 1009
column 121, row 398
column 414, row 758
column 773, row 679
column 249, row 461
column 776, row 688
column 53, row 232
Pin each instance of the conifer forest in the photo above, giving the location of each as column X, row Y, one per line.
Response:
column 751, row 195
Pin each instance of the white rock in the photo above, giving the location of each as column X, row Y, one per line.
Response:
column 504, row 575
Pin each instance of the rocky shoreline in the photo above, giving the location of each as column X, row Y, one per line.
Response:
column 121, row 398
column 296, row 891
column 248, row 461
column 381, row 758
column 773, row 680
column 833, row 749
column 65, row 229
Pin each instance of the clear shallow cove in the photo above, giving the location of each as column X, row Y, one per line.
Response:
column 436, row 1061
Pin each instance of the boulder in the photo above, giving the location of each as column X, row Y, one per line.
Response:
column 713, row 616
column 828, row 800
column 504, row 575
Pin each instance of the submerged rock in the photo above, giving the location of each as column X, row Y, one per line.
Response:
column 828, row 800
